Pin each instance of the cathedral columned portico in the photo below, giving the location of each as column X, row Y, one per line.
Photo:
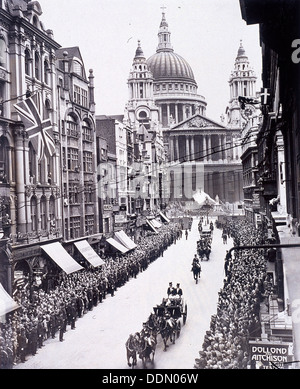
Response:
column 201, row 141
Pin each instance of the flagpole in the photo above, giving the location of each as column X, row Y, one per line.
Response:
column 27, row 94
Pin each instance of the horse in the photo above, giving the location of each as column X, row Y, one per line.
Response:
column 196, row 269
column 167, row 330
column 152, row 324
column 131, row 350
column 146, row 349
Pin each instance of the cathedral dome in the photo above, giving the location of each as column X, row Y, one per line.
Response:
column 169, row 66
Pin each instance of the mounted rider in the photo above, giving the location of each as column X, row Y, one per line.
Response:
column 196, row 262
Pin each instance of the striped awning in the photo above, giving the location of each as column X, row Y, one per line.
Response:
column 61, row 257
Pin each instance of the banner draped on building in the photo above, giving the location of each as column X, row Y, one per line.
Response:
column 37, row 124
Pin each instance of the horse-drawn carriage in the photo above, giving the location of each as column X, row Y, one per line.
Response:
column 165, row 320
column 171, row 315
column 204, row 243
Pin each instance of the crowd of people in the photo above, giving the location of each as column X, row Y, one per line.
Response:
column 226, row 343
column 47, row 314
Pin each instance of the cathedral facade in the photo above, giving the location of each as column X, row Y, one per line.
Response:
column 200, row 153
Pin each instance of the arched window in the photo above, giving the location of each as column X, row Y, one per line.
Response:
column 43, row 207
column 77, row 68
column 37, row 66
column 32, row 164
column 27, row 62
column 72, row 126
column 33, row 211
column 2, row 52
column 87, row 131
column 52, row 209
column 46, row 72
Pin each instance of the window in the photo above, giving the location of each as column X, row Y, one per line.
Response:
column 33, row 209
column 87, row 161
column 46, row 72
column 87, row 132
column 77, row 99
column 89, row 224
column 73, row 193
column 77, row 68
column 88, row 193
column 32, row 164
column 27, row 62
column 43, row 207
column 37, row 66
column 72, row 159
column 2, row 52
column 75, row 227
column 72, row 127
column 52, row 209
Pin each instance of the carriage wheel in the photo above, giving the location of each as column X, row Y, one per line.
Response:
column 185, row 314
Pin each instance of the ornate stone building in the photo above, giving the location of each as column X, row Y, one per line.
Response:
column 30, row 169
column 47, row 133
column 202, row 154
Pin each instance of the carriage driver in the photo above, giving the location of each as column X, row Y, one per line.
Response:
column 171, row 289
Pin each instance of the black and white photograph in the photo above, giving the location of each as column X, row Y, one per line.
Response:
column 149, row 187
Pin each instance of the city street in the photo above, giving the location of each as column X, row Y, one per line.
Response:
column 98, row 342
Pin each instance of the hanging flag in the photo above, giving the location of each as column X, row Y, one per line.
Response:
column 37, row 124
column 264, row 95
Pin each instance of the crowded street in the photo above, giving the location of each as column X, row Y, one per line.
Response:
column 149, row 186
column 98, row 341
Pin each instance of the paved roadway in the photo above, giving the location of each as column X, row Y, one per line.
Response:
column 98, row 342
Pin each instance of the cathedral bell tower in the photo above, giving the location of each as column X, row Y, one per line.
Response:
column 141, row 107
column 242, row 82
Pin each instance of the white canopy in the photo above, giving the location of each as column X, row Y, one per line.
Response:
column 7, row 303
column 155, row 223
column 201, row 198
column 89, row 253
column 125, row 240
column 117, row 245
column 152, row 226
column 164, row 217
column 61, row 257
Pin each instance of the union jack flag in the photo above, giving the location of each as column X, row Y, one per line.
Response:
column 37, row 124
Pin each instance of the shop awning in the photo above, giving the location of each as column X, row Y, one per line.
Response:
column 7, row 303
column 155, row 223
column 89, row 253
column 61, row 257
column 152, row 227
column 117, row 245
column 125, row 240
column 164, row 217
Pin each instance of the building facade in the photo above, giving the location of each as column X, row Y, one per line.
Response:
column 202, row 154
column 48, row 178
column 77, row 128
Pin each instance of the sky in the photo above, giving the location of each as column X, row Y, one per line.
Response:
column 206, row 33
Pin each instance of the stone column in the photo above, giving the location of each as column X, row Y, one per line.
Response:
column 220, row 148
column 204, row 148
column 187, row 148
column 177, row 147
column 172, row 150
column 193, row 156
column 209, row 150
column 176, row 113
column 20, row 135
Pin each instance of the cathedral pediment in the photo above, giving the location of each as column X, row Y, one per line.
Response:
column 198, row 122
